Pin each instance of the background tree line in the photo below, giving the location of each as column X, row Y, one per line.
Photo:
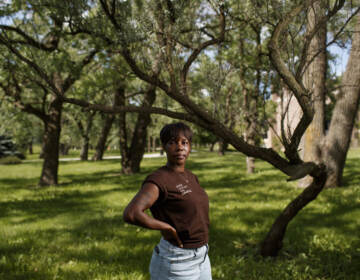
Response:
column 214, row 64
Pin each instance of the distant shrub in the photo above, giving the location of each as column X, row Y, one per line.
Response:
column 8, row 148
column 10, row 160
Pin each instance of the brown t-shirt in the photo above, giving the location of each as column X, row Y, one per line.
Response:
column 183, row 204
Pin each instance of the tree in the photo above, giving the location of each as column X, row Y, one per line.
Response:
column 107, row 121
column 345, row 110
column 338, row 138
column 184, row 31
column 131, row 155
column 24, row 129
column 39, row 66
column 315, row 81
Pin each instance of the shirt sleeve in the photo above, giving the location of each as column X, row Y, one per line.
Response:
column 157, row 180
column 196, row 179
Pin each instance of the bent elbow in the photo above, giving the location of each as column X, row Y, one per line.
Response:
column 128, row 216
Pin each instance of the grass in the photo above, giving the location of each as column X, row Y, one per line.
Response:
column 75, row 230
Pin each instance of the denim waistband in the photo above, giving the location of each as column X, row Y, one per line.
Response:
column 166, row 246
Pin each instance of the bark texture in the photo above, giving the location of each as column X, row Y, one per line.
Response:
column 51, row 141
column 273, row 240
column 85, row 134
column 344, row 114
column 315, row 82
column 101, row 144
column 132, row 155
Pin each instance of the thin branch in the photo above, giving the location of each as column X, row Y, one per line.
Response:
column 18, row 102
column 128, row 108
column 28, row 39
column 297, row 87
column 134, row 94
column 332, row 41
column 310, row 36
column 69, row 81
column 204, row 45
column 30, row 63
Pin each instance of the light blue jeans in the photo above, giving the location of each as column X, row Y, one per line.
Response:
column 169, row 262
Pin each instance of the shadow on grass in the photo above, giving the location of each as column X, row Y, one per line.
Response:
column 105, row 246
column 46, row 208
column 110, row 176
column 351, row 172
column 102, row 247
column 18, row 183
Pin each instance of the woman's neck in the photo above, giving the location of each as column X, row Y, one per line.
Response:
column 176, row 168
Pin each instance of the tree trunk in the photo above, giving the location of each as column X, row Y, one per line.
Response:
column 250, row 165
column 250, row 138
column 138, row 143
column 222, row 147
column 334, row 152
column 30, row 147
column 64, row 149
column 51, row 140
column 85, row 132
column 354, row 142
column 344, row 114
column 250, row 109
column 315, row 81
column 273, row 240
column 41, row 154
column 212, row 145
column 149, row 144
column 84, row 154
column 153, row 144
column 123, row 135
column 101, row 144
column 131, row 156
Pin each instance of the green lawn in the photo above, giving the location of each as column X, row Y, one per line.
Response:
column 75, row 230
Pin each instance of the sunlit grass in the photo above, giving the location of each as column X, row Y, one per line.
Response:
column 75, row 230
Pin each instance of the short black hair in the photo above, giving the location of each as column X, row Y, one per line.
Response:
column 173, row 130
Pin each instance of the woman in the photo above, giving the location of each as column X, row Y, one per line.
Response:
column 180, row 210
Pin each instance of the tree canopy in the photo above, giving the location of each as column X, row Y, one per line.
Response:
column 212, row 63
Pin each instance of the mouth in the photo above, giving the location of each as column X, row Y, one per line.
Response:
column 180, row 156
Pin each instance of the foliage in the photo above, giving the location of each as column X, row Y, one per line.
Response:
column 23, row 128
column 75, row 230
column 8, row 148
column 178, row 33
column 10, row 160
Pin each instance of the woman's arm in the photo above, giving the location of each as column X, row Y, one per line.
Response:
column 135, row 214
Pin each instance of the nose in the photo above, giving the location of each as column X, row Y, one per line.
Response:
column 179, row 146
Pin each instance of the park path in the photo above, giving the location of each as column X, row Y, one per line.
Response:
column 106, row 157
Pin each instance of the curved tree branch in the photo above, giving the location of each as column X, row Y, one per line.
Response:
column 28, row 40
column 296, row 86
column 322, row 21
column 16, row 94
column 129, row 108
column 72, row 77
column 30, row 63
column 204, row 45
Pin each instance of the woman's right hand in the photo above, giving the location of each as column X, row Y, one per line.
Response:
column 135, row 214
column 171, row 235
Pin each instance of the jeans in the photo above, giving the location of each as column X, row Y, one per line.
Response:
column 169, row 262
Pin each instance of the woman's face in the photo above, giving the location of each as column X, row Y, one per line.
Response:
column 177, row 150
